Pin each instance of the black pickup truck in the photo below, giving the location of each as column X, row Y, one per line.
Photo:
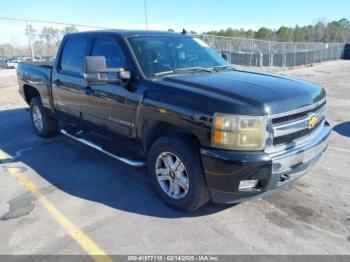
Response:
column 205, row 130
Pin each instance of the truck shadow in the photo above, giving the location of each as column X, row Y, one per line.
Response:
column 84, row 173
column 343, row 129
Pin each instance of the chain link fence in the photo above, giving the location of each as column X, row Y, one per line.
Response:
column 270, row 54
column 22, row 39
column 39, row 40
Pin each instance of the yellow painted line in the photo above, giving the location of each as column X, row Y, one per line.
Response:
column 78, row 235
column 339, row 149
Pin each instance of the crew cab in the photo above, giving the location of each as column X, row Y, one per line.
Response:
column 205, row 130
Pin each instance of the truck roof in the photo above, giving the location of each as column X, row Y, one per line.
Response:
column 126, row 33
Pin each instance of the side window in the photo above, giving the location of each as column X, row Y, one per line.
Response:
column 111, row 51
column 73, row 55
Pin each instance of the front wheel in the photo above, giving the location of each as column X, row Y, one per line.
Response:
column 43, row 124
column 177, row 174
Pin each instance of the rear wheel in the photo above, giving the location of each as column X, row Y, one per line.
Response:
column 43, row 124
column 177, row 174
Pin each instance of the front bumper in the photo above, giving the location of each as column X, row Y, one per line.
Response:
column 225, row 169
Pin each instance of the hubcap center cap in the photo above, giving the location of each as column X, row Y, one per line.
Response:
column 172, row 174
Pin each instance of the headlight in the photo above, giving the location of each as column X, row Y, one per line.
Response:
column 239, row 133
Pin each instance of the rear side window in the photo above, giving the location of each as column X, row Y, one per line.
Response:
column 74, row 52
column 111, row 51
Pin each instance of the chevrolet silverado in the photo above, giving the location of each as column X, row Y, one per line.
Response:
column 205, row 130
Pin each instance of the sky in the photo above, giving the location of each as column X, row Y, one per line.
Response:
column 197, row 15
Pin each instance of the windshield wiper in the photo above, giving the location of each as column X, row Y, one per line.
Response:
column 184, row 70
column 223, row 67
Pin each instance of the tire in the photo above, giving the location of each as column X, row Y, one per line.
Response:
column 186, row 150
column 38, row 114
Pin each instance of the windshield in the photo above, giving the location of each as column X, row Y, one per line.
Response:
column 162, row 54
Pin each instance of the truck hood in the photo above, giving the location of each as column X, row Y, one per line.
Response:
column 259, row 93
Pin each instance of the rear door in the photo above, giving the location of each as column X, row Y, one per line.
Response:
column 67, row 79
column 110, row 106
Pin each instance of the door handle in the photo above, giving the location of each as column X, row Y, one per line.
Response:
column 88, row 90
column 57, row 82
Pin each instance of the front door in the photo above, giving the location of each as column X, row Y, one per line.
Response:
column 110, row 106
column 67, row 80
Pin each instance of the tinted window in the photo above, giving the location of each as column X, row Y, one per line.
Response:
column 158, row 54
column 73, row 55
column 111, row 51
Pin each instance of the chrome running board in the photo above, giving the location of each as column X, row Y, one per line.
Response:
column 136, row 163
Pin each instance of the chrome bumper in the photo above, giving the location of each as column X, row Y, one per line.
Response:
column 225, row 170
column 295, row 162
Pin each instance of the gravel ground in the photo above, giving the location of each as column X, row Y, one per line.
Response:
column 9, row 97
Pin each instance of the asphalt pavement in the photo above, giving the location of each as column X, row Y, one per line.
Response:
column 60, row 197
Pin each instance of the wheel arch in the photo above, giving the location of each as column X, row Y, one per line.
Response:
column 154, row 129
column 30, row 92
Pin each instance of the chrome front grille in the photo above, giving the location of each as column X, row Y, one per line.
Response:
column 289, row 138
column 295, row 116
column 291, row 127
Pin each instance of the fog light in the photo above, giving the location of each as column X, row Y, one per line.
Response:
column 245, row 185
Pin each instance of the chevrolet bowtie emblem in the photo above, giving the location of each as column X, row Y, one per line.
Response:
column 312, row 122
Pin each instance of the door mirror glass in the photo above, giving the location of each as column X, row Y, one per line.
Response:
column 96, row 71
column 224, row 55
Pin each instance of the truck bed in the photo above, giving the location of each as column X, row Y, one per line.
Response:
column 37, row 75
column 40, row 63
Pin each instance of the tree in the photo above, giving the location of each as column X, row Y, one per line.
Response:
column 334, row 29
column 320, row 32
column 222, row 33
column 250, row 33
column 298, row 34
column 309, row 33
column 230, row 32
column 344, row 23
column 50, row 35
column 32, row 30
column 8, row 50
column 283, row 34
column 69, row 29
column 264, row 33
